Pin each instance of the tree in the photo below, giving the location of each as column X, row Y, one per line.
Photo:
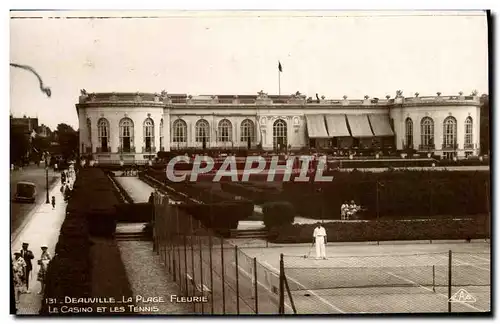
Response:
column 67, row 139
column 19, row 144
column 484, row 124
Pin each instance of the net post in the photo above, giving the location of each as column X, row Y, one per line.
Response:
column 281, row 309
column 449, row 280
column 211, row 271
column 433, row 278
column 255, row 283
column 237, row 280
column 222, row 276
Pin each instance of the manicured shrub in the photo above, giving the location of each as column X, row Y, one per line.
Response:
column 278, row 214
column 387, row 230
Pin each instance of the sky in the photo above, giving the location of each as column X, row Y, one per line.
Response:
column 332, row 53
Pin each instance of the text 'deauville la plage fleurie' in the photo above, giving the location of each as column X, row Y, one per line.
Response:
column 114, row 305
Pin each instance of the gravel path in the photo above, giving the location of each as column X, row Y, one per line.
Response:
column 148, row 278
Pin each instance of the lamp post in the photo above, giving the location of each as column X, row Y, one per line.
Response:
column 47, row 201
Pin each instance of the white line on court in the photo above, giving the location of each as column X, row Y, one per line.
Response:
column 465, row 263
column 312, row 292
column 260, row 284
column 484, row 259
column 420, row 286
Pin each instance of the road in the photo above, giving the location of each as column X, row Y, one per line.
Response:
column 32, row 173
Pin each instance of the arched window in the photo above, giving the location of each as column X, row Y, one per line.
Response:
column 202, row 129
column 225, row 131
column 280, row 134
column 180, row 131
column 247, row 131
column 149, row 135
column 450, row 132
column 89, row 131
column 126, row 135
column 427, row 132
column 103, row 134
column 468, row 132
column 409, row 132
column 161, row 135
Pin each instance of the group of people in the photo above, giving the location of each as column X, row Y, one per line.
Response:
column 349, row 211
column 22, row 267
column 67, row 180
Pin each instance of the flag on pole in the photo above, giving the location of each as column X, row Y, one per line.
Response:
column 279, row 67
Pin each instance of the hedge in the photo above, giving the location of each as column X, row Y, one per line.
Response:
column 401, row 194
column 221, row 217
column 387, row 230
column 134, row 213
column 90, row 211
column 278, row 213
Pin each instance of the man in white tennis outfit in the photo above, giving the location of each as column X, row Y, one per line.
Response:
column 320, row 240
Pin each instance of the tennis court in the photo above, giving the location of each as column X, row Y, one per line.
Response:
column 397, row 278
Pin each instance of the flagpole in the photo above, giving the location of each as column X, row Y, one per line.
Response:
column 279, row 82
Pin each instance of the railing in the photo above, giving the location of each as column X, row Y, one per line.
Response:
column 448, row 146
column 102, row 150
column 468, row 146
column 124, row 150
column 427, row 147
column 148, row 149
column 88, row 149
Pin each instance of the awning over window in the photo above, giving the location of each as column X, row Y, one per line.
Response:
column 316, row 126
column 337, row 126
column 360, row 126
column 381, row 125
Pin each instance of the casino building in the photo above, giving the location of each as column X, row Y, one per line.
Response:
column 135, row 126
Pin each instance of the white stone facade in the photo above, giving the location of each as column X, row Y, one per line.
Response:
column 155, row 116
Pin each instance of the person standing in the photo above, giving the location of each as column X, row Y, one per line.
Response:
column 18, row 268
column 343, row 210
column 27, row 255
column 320, row 240
column 53, row 202
column 43, row 262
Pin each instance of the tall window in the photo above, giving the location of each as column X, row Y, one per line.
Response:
column 180, row 131
column 149, row 135
column 468, row 131
column 450, row 132
column 279, row 134
column 89, row 131
column 202, row 129
column 427, row 131
column 161, row 134
column 247, row 131
column 225, row 131
column 103, row 134
column 409, row 132
column 126, row 134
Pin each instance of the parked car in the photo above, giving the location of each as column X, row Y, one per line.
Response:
column 25, row 192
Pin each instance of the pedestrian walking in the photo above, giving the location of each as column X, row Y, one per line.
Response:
column 27, row 255
column 320, row 240
column 53, row 202
column 43, row 262
column 18, row 268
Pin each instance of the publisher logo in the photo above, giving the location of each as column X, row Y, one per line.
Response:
column 462, row 296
